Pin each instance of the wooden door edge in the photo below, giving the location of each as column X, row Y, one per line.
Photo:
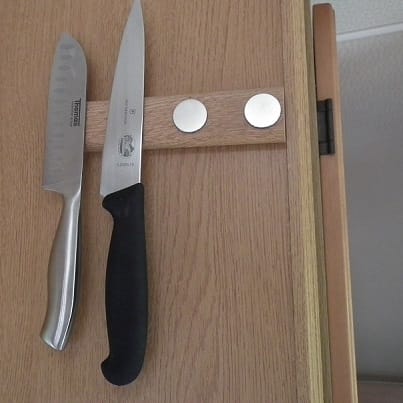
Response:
column 304, row 193
column 340, row 317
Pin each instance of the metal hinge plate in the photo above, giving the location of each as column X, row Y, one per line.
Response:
column 326, row 127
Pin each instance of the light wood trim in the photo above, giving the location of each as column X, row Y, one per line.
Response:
column 303, row 193
column 320, row 244
column 226, row 124
column 335, row 216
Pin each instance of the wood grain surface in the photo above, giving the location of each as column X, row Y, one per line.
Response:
column 340, row 314
column 304, row 201
column 226, row 124
column 230, row 230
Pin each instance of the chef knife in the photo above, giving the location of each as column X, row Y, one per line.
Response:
column 62, row 174
column 126, row 273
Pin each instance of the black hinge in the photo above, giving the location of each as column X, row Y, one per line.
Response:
column 326, row 127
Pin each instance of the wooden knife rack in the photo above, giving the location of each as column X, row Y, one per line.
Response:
column 226, row 124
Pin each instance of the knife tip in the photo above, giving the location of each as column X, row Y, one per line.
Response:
column 66, row 37
column 137, row 5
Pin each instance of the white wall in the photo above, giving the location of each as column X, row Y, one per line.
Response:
column 353, row 15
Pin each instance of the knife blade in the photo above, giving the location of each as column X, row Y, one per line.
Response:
column 126, row 274
column 63, row 174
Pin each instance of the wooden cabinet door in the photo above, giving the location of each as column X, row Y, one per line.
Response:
column 233, row 232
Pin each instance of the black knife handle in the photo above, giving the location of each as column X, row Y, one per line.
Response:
column 126, row 286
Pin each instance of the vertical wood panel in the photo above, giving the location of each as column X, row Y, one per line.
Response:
column 302, row 155
column 335, row 216
column 222, row 310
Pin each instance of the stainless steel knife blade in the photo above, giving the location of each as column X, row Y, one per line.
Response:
column 126, row 298
column 63, row 174
column 66, row 118
column 121, row 160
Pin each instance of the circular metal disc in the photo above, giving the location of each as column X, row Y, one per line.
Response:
column 190, row 116
column 262, row 111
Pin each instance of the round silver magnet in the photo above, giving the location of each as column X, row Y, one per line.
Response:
column 190, row 116
column 262, row 111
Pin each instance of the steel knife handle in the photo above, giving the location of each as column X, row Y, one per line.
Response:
column 63, row 276
column 126, row 286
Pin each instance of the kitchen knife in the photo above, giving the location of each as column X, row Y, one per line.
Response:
column 126, row 274
column 62, row 174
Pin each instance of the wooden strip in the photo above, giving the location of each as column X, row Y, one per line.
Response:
column 335, row 216
column 226, row 124
column 320, row 244
column 302, row 155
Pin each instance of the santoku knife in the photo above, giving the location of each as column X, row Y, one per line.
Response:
column 126, row 274
column 62, row 174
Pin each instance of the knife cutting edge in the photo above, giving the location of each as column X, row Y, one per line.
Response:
column 126, row 275
column 63, row 174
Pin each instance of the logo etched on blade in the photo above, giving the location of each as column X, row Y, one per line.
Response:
column 75, row 117
column 126, row 146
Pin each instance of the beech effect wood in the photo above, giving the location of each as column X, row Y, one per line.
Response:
column 304, row 194
column 230, row 230
column 340, row 313
column 226, row 124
